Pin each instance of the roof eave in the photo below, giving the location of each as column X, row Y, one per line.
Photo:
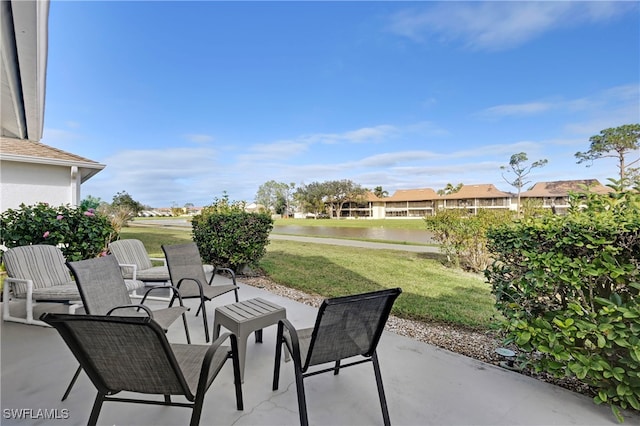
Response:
column 88, row 169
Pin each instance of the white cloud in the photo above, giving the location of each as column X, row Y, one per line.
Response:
column 362, row 135
column 199, row 138
column 498, row 25
column 280, row 151
column 517, row 109
column 621, row 99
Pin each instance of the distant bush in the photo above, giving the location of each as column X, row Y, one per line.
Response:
column 228, row 236
column 462, row 236
column 80, row 234
column 568, row 287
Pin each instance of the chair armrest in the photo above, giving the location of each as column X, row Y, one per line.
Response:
column 229, row 270
column 144, row 308
column 295, row 342
column 130, row 265
column 11, row 282
column 195, row 281
column 159, row 259
column 173, row 289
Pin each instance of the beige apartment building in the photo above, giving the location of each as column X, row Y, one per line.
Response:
column 418, row 203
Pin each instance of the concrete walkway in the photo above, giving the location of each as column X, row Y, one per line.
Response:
column 425, row 385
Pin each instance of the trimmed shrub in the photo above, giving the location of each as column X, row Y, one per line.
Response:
column 80, row 234
column 462, row 236
column 228, row 236
column 568, row 287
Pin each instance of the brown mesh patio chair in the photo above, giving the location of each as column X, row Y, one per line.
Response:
column 185, row 268
column 133, row 354
column 345, row 327
column 102, row 288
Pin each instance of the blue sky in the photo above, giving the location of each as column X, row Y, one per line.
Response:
column 186, row 100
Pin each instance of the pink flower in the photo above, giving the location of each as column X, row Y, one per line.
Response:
column 59, row 217
column 103, row 253
column 89, row 213
column 46, row 234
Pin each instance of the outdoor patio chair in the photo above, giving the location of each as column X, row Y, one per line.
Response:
column 187, row 274
column 136, row 264
column 345, row 327
column 133, row 354
column 102, row 289
column 37, row 273
column 135, row 261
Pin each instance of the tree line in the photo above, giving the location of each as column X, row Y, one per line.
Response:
column 319, row 198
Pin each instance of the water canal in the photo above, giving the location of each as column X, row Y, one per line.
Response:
column 411, row 236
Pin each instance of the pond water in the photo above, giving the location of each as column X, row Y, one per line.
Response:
column 406, row 235
column 399, row 235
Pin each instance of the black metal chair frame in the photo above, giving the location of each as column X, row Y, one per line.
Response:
column 301, row 366
column 105, row 394
column 74, row 268
column 199, row 278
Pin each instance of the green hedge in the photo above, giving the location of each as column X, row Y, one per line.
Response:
column 228, row 236
column 568, row 287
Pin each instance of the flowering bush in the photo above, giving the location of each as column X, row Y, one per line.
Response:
column 80, row 234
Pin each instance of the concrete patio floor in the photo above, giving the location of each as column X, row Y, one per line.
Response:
column 425, row 385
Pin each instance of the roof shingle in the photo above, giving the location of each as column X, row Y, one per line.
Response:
column 27, row 148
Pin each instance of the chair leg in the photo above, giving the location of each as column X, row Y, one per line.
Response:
column 336, row 369
column 73, row 382
column 167, row 399
column 302, row 403
column 236, row 292
column 186, row 328
column 173, row 299
column 383, row 399
column 95, row 412
column 197, row 411
column 204, row 319
column 276, row 366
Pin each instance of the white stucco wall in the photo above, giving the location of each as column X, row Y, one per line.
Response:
column 32, row 183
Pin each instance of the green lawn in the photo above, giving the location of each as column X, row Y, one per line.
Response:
column 431, row 292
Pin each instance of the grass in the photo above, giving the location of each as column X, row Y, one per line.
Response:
column 431, row 292
column 154, row 237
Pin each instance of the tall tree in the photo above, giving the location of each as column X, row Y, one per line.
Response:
column 518, row 165
column 123, row 200
column 616, row 142
column 450, row 189
column 275, row 196
column 341, row 191
column 312, row 197
column 379, row 192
